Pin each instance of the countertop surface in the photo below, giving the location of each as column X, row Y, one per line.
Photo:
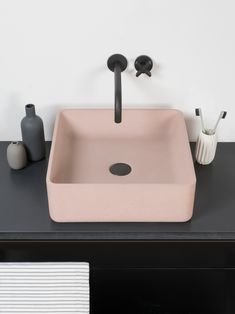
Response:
column 24, row 209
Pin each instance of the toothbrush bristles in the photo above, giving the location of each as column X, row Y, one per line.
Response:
column 224, row 114
column 197, row 112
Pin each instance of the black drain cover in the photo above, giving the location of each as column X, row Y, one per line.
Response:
column 120, row 169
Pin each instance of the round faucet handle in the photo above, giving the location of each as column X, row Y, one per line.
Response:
column 143, row 64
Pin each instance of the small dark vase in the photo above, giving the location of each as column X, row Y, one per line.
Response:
column 33, row 134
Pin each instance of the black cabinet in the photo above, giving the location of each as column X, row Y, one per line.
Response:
column 145, row 277
column 153, row 291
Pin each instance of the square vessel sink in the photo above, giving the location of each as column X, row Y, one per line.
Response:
column 155, row 181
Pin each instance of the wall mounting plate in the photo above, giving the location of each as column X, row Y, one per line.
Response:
column 117, row 59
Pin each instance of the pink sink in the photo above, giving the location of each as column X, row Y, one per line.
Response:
column 154, row 145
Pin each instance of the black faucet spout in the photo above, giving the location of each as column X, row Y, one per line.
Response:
column 118, row 94
column 117, row 63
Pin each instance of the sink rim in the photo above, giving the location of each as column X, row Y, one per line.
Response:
column 50, row 180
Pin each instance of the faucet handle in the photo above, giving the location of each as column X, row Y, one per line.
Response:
column 143, row 64
column 138, row 73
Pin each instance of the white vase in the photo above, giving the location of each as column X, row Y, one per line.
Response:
column 206, row 148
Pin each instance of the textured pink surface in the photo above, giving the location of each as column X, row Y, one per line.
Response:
column 154, row 143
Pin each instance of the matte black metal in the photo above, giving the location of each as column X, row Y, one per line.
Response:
column 118, row 94
column 120, row 169
column 117, row 63
column 143, row 64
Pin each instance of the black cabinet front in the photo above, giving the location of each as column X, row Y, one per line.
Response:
column 145, row 277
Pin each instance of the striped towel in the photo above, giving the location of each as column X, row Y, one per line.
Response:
column 44, row 288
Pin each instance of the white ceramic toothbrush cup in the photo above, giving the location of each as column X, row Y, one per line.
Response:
column 206, row 148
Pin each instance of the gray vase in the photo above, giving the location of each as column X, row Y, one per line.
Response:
column 16, row 155
column 33, row 134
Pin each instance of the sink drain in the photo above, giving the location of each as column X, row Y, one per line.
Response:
column 120, row 169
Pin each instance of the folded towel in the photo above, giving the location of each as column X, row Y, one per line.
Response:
column 44, row 288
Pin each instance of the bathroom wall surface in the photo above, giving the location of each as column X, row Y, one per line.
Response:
column 53, row 53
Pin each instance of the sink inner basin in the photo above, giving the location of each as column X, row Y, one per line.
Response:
column 103, row 171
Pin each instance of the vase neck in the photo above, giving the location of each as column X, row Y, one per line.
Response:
column 30, row 110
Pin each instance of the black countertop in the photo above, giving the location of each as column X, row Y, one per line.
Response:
column 24, row 209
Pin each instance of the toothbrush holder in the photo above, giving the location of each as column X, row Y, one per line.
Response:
column 206, row 147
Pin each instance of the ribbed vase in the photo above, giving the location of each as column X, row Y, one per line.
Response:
column 205, row 148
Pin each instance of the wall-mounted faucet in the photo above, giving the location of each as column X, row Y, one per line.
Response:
column 117, row 63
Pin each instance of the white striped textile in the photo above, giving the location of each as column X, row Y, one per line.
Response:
column 61, row 288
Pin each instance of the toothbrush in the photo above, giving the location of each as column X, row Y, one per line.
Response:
column 198, row 112
column 221, row 116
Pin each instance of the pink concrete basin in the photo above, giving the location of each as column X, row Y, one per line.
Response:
column 154, row 143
